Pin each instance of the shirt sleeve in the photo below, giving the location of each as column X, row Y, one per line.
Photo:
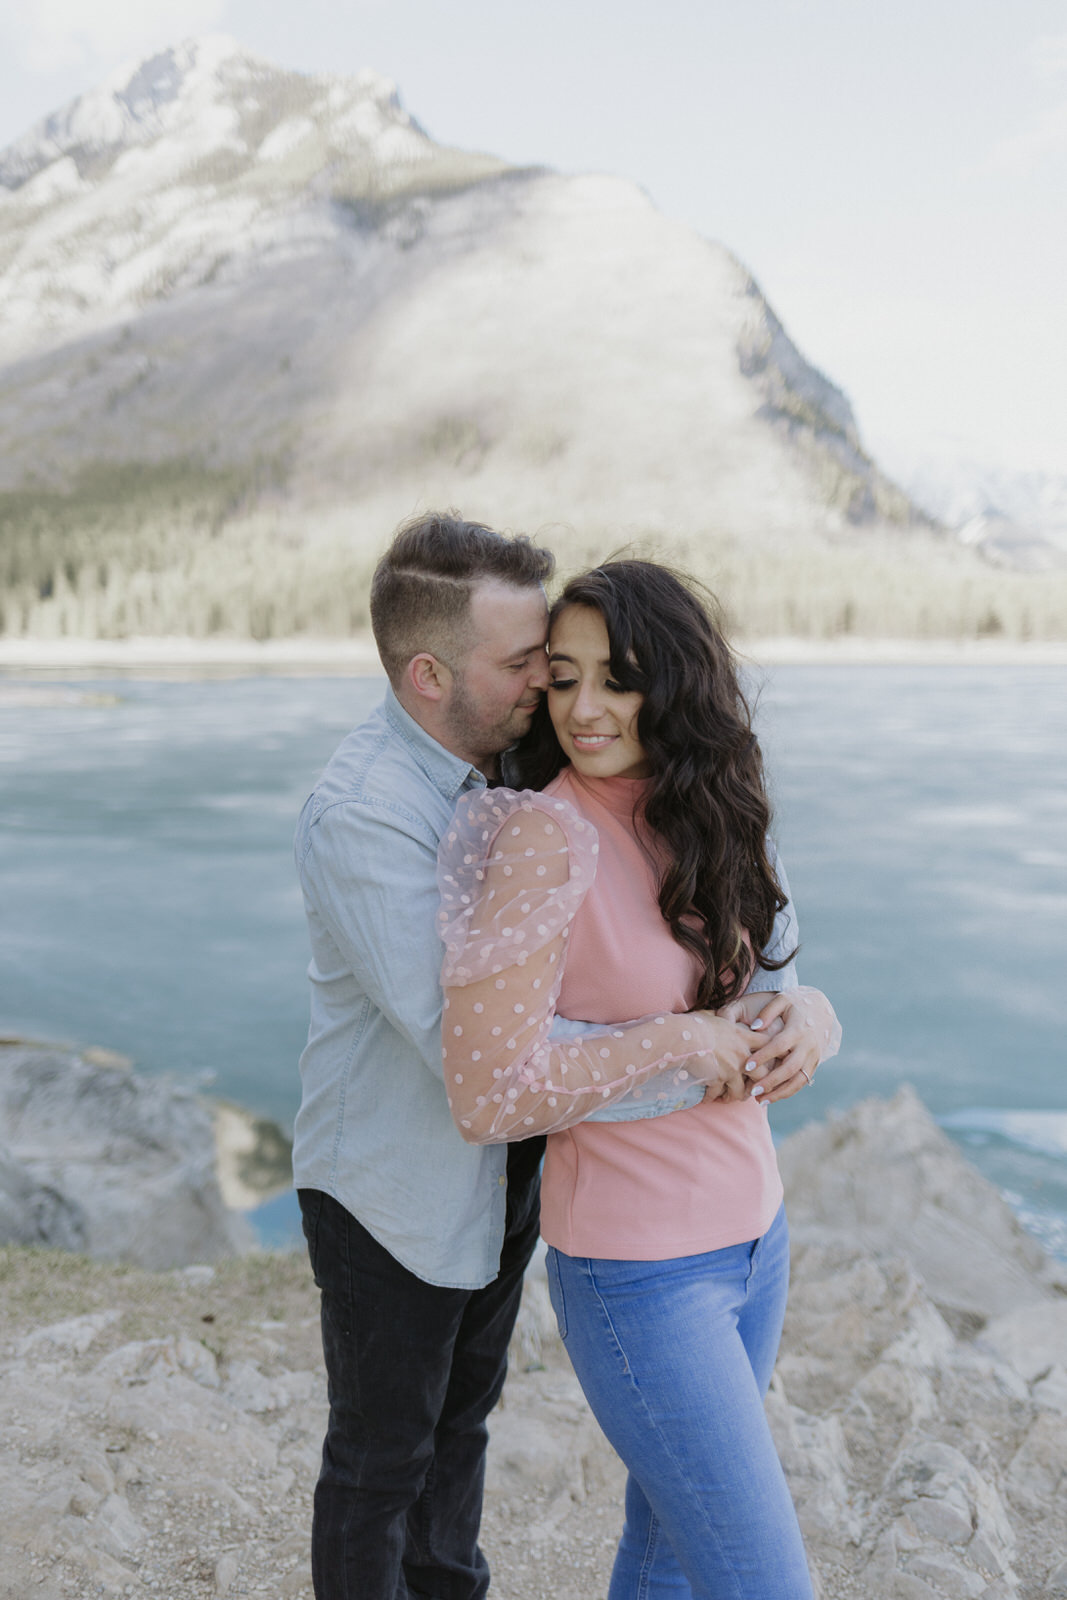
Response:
column 369, row 878
column 513, row 870
column 816, row 1010
column 784, row 939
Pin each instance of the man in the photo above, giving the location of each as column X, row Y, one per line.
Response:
column 417, row 1240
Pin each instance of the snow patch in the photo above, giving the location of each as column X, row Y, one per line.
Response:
column 285, row 138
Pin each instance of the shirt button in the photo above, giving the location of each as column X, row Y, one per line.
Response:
column 503, row 1182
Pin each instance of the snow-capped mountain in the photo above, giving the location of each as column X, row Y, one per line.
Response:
column 1014, row 517
column 214, row 261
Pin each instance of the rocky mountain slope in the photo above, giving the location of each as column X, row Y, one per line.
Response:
column 235, row 297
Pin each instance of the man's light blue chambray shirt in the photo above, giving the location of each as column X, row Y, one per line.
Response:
column 374, row 1129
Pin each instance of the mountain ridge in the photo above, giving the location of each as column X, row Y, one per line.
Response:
column 246, row 312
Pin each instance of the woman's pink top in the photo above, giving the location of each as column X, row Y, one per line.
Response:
column 666, row 1186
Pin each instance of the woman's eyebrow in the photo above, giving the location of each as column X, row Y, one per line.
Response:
column 557, row 655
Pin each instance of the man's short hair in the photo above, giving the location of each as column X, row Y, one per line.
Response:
column 421, row 591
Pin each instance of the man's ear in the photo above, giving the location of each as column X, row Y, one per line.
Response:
column 428, row 676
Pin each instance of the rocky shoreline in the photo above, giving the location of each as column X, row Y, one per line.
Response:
column 159, row 1430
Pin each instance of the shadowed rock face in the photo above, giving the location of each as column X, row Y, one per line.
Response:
column 230, row 267
column 100, row 1160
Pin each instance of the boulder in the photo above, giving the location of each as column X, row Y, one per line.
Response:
column 883, row 1178
column 102, row 1160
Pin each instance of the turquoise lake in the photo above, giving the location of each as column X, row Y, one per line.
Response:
column 150, row 903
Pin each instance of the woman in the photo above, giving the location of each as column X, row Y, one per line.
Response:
column 639, row 883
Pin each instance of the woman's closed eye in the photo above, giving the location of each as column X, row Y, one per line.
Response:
column 569, row 683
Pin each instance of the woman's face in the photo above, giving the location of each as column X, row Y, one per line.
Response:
column 594, row 719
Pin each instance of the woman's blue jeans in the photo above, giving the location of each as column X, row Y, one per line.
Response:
column 675, row 1358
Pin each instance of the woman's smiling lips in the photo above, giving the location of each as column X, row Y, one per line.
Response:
column 593, row 741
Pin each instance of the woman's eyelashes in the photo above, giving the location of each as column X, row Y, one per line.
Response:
column 569, row 683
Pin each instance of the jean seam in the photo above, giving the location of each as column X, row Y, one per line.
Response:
column 644, row 1578
column 552, row 1267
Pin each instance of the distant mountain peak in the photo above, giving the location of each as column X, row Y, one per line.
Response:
column 211, row 92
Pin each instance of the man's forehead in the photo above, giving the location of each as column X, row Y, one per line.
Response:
column 507, row 620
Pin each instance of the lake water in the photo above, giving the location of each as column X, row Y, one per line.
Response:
column 150, row 903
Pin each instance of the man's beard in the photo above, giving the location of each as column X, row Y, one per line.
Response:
column 472, row 730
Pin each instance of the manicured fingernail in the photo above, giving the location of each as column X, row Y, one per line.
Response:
column 758, row 1089
column 750, row 1066
column 758, row 1024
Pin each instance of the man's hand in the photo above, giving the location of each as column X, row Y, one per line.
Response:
column 731, row 1049
column 797, row 1026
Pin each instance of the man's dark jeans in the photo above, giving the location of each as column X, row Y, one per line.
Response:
column 413, row 1371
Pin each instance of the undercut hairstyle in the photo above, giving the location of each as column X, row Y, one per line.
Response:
column 706, row 803
column 421, row 590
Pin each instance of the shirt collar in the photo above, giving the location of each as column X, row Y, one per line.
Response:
column 449, row 774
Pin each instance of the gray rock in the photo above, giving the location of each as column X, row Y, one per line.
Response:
column 884, row 1178
column 33, row 1213
column 1032, row 1339
column 105, row 1161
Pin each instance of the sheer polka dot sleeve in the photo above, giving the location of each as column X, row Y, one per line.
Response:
column 513, row 870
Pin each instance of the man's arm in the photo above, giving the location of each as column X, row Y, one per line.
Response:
column 368, row 873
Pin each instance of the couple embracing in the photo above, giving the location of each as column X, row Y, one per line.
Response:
column 548, row 926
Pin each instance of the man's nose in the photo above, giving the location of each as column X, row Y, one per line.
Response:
column 539, row 675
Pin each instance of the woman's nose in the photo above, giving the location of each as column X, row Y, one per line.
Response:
column 588, row 704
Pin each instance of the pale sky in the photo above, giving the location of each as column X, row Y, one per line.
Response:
column 894, row 175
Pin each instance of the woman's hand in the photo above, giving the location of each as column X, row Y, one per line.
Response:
column 800, row 1029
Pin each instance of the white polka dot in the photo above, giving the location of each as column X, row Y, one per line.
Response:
column 597, row 1076
column 511, row 1044
column 552, row 1100
column 507, row 871
column 497, row 1032
column 501, row 983
column 478, row 1007
column 540, row 871
column 630, row 1070
column 518, row 1010
column 476, row 1055
column 506, row 932
column 457, row 1032
column 515, row 832
column 542, row 929
column 527, row 1122
column 686, row 1034
column 646, row 1044
column 574, row 1052
column 604, row 1054
column 458, row 1078
column 682, row 1076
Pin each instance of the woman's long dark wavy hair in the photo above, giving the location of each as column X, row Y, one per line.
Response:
column 707, row 803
